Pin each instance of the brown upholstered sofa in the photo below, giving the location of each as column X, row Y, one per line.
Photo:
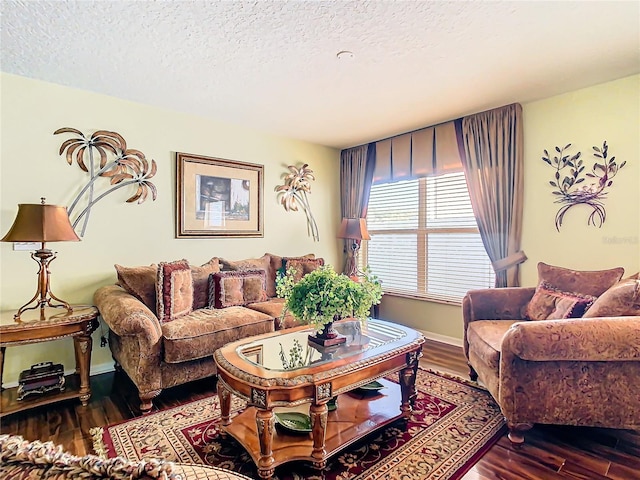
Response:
column 21, row 459
column 167, row 320
column 566, row 352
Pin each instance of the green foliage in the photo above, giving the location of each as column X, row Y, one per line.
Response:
column 296, row 358
column 324, row 296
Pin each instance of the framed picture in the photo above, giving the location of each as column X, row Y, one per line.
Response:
column 218, row 197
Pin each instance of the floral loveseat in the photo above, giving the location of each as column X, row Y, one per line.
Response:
column 167, row 320
column 24, row 460
column 566, row 352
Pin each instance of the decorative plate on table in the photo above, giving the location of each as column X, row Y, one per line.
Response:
column 372, row 387
column 294, row 421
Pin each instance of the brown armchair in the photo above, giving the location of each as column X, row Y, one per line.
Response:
column 567, row 371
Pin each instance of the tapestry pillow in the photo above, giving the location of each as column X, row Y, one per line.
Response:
column 621, row 300
column 302, row 266
column 201, row 282
column 593, row 283
column 550, row 303
column 276, row 269
column 262, row 263
column 139, row 282
column 174, row 290
column 242, row 287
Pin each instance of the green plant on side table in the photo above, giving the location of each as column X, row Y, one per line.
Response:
column 324, row 296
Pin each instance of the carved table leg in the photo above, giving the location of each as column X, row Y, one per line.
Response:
column 265, row 423
column 408, row 390
column 225, row 403
column 82, row 346
column 318, row 414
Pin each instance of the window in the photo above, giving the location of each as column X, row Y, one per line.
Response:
column 424, row 239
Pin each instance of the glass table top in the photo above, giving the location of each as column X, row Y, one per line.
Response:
column 292, row 350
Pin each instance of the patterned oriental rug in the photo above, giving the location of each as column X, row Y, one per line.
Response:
column 454, row 423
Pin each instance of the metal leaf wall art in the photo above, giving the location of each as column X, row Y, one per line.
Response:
column 92, row 154
column 297, row 184
column 592, row 195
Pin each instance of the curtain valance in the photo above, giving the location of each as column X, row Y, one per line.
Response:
column 428, row 151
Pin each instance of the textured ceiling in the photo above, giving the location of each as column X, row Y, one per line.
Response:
column 272, row 65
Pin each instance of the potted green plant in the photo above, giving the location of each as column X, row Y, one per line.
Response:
column 324, row 296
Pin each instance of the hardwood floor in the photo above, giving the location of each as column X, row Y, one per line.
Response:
column 550, row 452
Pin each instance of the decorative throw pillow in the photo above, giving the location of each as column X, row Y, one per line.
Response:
column 621, row 300
column 230, row 288
column 550, row 303
column 593, row 283
column 174, row 290
column 276, row 269
column 302, row 266
column 262, row 263
column 201, row 282
column 139, row 282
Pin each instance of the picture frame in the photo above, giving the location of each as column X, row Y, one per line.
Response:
column 216, row 197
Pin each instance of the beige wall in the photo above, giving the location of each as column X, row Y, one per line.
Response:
column 584, row 118
column 131, row 234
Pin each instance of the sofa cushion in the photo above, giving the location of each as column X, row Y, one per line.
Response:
column 201, row 282
column 302, row 266
column 276, row 268
column 485, row 339
column 174, row 290
column 593, row 283
column 262, row 263
column 623, row 299
column 273, row 307
column 139, row 282
column 549, row 303
column 203, row 331
column 227, row 289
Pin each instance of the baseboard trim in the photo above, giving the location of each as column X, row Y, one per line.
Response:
column 456, row 342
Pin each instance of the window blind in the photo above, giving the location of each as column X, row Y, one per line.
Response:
column 424, row 239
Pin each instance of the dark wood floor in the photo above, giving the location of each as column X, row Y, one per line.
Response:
column 550, row 452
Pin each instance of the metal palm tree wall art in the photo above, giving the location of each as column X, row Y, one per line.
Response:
column 297, row 184
column 592, row 195
column 127, row 167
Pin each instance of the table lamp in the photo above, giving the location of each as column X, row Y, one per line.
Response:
column 42, row 223
column 356, row 229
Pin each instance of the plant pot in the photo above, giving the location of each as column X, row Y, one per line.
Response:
column 328, row 336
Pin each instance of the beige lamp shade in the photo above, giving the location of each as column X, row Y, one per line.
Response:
column 355, row 228
column 41, row 223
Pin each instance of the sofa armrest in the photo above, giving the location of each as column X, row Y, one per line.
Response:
column 606, row 339
column 127, row 316
column 493, row 304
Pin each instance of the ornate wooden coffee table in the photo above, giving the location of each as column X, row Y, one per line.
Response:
column 253, row 369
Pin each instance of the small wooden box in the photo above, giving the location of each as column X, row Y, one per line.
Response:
column 41, row 378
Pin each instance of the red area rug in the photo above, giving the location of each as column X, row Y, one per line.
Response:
column 453, row 425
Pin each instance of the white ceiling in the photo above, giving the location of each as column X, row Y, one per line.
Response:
column 272, row 65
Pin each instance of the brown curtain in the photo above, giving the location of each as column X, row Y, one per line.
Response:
column 491, row 148
column 356, row 175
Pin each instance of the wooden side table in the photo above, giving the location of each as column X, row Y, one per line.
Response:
column 58, row 323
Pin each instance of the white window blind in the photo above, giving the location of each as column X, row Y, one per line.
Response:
column 424, row 239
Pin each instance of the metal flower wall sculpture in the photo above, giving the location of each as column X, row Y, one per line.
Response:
column 297, row 184
column 128, row 167
column 592, row 195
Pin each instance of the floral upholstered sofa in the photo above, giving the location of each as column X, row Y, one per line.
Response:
column 566, row 352
column 24, row 460
column 166, row 320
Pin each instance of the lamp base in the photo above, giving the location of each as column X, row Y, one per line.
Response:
column 44, row 296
